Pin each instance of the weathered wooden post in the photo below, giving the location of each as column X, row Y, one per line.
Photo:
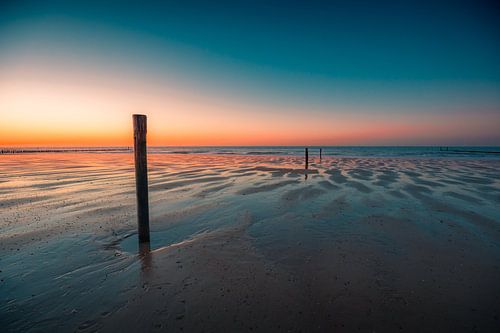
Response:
column 320, row 152
column 307, row 158
column 141, row 176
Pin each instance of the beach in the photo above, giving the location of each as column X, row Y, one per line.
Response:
column 250, row 243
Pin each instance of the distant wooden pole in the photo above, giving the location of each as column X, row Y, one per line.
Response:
column 141, row 176
column 307, row 158
column 320, row 152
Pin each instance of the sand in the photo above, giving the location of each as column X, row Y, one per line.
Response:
column 250, row 243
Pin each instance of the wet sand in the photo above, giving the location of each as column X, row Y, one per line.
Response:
column 250, row 243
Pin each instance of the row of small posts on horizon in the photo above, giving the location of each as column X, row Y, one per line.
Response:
column 141, row 175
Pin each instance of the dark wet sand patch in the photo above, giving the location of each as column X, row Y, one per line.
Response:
column 328, row 185
column 334, row 208
column 283, row 171
column 213, row 189
column 336, row 176
column 381, row 184
column 9, row 203
column 469, row 215
column 168, row 218
column 375, row 202
column 266, row 187
column 180, row 183
column 358, row 186
column 447, row 208
column 294, row 175
column 425, row 182
column 416, row 190
column 361, row 174
column 397, row 194
column 198, row 175
column 83, row 208
column 386, row 178
column 108, row 212
column 489, row 189
column 62, row 183
column 243, row 170
column 411, row 173
column 97, row 190
column 451, row 182
column 464, row 197
column 475, row 180
column 166, row 175
column 494, row 198
column 245, row 174
column 302, row 194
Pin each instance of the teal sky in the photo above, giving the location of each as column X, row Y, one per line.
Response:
column 386, row 57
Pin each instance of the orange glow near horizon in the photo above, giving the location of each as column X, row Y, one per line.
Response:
column 55, row 109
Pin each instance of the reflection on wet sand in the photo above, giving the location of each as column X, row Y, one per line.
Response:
column 250, row 243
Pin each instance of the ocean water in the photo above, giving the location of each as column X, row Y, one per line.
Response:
column 489, row 152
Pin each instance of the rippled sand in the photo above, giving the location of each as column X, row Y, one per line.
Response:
column 244, row 243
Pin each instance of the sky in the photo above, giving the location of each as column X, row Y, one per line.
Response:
column 72, row 73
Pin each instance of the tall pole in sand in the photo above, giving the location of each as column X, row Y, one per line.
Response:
column 141, row 176
column 307, row 158
column 320, row 152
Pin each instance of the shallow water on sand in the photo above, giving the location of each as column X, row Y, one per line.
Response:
column 250, row 242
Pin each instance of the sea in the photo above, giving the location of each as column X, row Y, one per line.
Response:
column 488, row 152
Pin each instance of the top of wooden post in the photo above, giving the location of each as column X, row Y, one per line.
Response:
column 140, row 123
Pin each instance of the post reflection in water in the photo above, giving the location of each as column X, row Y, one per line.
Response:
column 145, row 256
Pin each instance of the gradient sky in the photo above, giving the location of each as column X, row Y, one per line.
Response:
column 250, row 72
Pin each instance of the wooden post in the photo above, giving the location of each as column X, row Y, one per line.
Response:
column 141, row 176
column 307, row 158
column 320, row 151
